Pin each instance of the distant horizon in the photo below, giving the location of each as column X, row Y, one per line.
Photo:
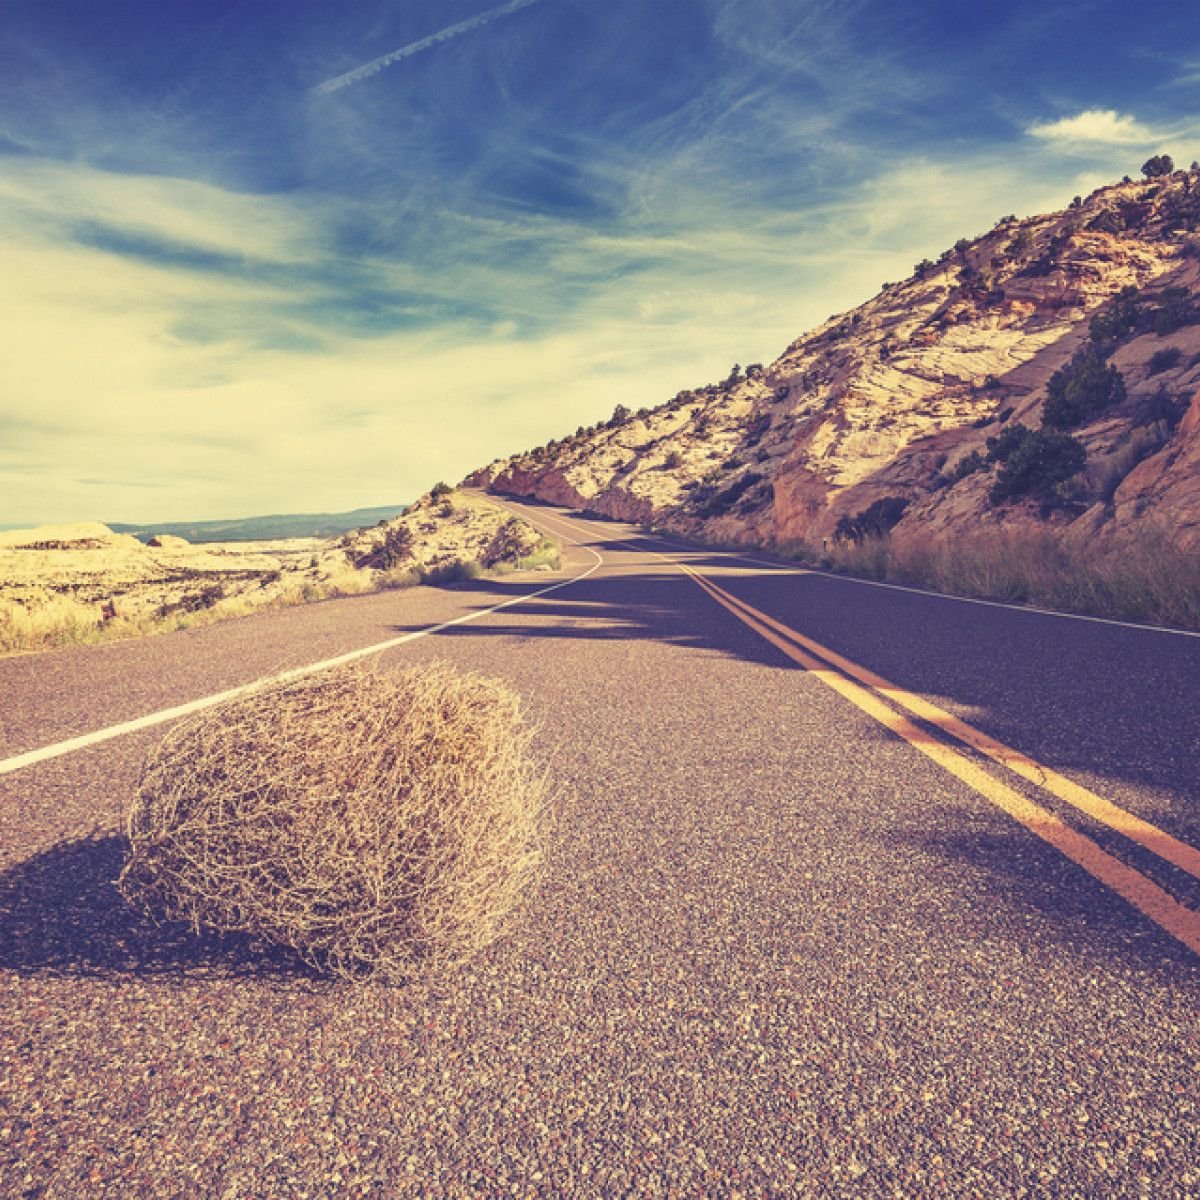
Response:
column 260, row 261
column 8, row 527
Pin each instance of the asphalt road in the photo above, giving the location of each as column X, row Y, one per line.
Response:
column 780, row 949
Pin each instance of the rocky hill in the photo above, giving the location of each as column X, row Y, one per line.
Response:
column 1046, row 372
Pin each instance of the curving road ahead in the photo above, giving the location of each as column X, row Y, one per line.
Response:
column 853, row 891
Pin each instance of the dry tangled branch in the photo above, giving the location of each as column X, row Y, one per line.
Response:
column 371, row 822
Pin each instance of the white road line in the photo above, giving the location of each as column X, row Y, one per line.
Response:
column 30, row 757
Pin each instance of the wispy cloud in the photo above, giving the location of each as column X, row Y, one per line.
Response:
column 451, row 31
column 1103, row 125
column 1186, row 71
column 36, row 193
column 612, row 202
column 231, row 344
column 231, row 377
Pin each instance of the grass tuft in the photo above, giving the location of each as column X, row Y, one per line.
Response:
column 46, row 620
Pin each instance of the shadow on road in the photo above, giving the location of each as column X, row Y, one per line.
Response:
column 665, row 608
column 1064, row 691
column 1113, row 704
column 61, row 914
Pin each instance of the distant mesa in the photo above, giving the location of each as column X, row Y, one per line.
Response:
column 80, row 535
column 261, row 529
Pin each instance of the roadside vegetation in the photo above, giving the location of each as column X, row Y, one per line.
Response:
column 370, row 561
column 374, row 824
column 1150, row 580
column 51, row 620
column 545, row 556
column 1047, row 464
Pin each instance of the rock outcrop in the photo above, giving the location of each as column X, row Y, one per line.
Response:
column 913, row 398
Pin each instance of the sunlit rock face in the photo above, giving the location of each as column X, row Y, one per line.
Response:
column 886, row 401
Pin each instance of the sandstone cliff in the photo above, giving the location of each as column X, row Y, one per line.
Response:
column 929, row 403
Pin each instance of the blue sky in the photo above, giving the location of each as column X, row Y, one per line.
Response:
column 266, row 256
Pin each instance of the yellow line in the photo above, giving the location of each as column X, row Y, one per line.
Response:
column 831, row 669
column 1168, row 848
column 1145, row 895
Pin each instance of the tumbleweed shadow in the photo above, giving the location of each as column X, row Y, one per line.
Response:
column 61, row 914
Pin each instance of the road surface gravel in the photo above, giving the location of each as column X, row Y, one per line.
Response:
column 776, row 951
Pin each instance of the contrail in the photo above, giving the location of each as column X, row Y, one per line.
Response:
column 451, row 31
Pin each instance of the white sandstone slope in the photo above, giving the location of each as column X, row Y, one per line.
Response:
column 884, row 402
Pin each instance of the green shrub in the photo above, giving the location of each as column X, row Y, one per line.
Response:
column 395, row 549
column 1164, row 360
column 1130, row 314
column 1176, row 311
column 1164, row 408
column 1107, row 221
column 452, row 572
column 1036, row 463
column 968, row 465
column 724, row 500
column 874, row 521
column 1124, row 315
column 1110, row 472
column 1021, row 244
column 1084, row 387
column 732, row 379
column 1182, row 211
column 545, row 554
column 509, row 544
column 1001, row 447
column 1158, row 166
column 192, row 602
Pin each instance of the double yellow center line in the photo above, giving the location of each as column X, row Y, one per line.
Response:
column 876, row 697
column 869, row 694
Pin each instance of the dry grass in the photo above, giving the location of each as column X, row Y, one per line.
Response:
column 544, row 556
column 47, row 620
column 1149, row 580
column 371, row 822
column 43, row 622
